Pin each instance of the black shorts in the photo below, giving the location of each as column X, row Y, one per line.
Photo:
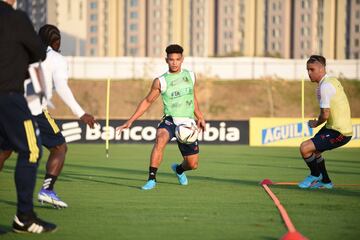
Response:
column 49, row 131
column 185, row 149
column 327, row 139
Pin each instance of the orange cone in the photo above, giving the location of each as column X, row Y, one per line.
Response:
column 293, row 236
column 267, row 182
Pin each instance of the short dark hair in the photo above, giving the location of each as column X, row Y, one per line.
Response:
column 174, row 48
column 317, row 58
column 49, row 34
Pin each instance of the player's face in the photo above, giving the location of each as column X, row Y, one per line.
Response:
column 56, row 46
column 174, row 61
column 316, row 71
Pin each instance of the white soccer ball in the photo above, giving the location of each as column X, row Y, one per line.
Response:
column 186, row 133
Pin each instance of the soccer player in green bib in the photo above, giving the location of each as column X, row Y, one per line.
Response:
column 335, row 111
column 178, row 92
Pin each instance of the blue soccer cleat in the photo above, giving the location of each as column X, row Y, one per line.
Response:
column 309, row 181
column 50, row 197
column 150, row 184
column 321, row 184
column 181, row 177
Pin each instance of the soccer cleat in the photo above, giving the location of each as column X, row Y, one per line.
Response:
column 323, row 185
column 150, row 184
column 181, row 177
column 50, row 197
column 32, row 224
column 309, row 181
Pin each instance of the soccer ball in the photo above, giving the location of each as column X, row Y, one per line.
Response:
column 186, row 133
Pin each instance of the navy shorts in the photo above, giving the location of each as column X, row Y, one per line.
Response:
column 49, row 131
column 185, row 149
column 18, row 129
column 327, row 139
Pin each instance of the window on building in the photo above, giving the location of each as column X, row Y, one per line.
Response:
column 92, row 52
column 357, row 28
column 80, row 10
column 133, row 39
column 356, row 42
column 357, row 14
column 305, row 3
column 134, row 3
column 93, row 5
column 133, row 51
column 156, row 13
column 157, row 51
column 133, row 14
column 93, row 40
column 274, row 6
column 133, row 27
column 356, row 55
column 93, row 17
column 93, row 28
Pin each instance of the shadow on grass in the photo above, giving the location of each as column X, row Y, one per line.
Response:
column 5, row 229
column 10, row 203
column 269, row 238
column 91, row 177
column 335, row 191
column 299, row 168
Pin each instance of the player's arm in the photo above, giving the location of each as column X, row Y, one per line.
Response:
column 143, row 105
column 323, row 117
column 198, row 114
column 60, row 78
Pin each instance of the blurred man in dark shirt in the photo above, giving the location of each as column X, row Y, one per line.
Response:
column 20, row 46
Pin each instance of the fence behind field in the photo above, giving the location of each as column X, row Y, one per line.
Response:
column 219, row 68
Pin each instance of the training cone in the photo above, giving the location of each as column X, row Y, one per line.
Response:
column 293, row 236
column 266, row 182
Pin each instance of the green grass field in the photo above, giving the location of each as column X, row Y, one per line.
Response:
column 222, row 201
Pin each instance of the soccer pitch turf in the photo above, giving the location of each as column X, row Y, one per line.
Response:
column 222, row 201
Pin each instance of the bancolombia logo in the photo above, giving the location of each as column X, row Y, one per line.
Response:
column 148, row 133
column 284, row 132
column 145, row 131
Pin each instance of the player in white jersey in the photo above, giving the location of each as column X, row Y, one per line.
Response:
column 56, row 77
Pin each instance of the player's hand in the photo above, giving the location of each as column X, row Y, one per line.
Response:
column 120, row 128
column 201, row 124
column 312, row 123
column 88, row 119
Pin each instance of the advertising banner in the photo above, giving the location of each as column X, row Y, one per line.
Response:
column 144, row 131
column 284, row 132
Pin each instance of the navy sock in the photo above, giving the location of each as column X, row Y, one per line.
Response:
column 321, row 165
column 312, row 164
column 152, row 173
column 179, row 169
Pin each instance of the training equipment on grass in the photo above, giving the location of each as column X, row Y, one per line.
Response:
column 186, row 133
column 292, row 233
